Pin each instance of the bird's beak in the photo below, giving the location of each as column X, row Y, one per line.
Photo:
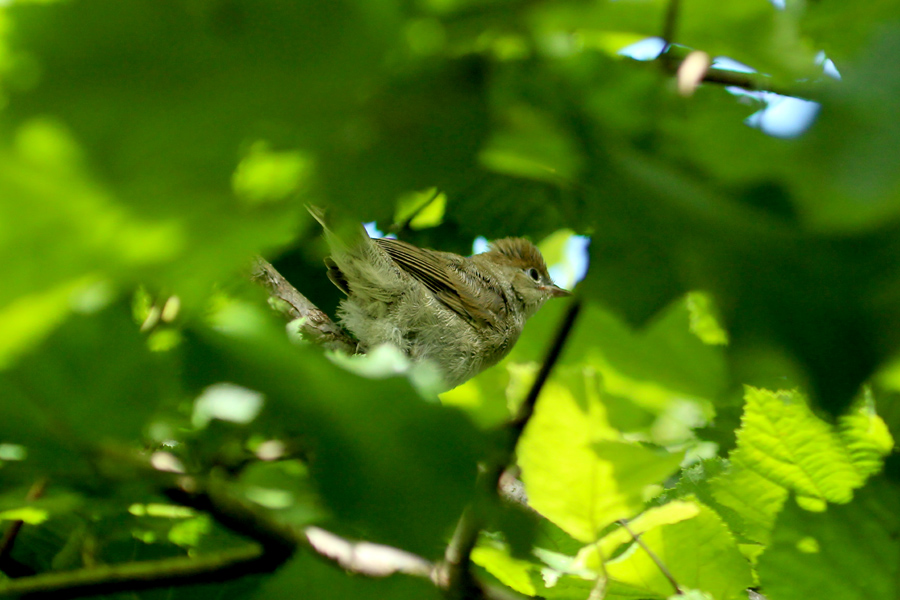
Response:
column 555, row 291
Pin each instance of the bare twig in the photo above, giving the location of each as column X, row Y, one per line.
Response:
column 810, row 89
column 758, row 82
column 278, row 540
column 108, row 579
column 457, row 573
column 669, row 26
column 517, row 425
column 399, row 228
column 659, row 564
column 314, row 324
column 366, row 558
column 8, row 565
column 460, row 582
column 273, row 543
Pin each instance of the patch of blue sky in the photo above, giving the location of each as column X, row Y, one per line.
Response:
column 729, row 64
column 575, row 262
column 828, row 66
column 480, row 245
column 374, row 232
column 784, row 116
column 648, row 49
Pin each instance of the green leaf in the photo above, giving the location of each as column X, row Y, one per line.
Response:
column 485, row 397
column 692, row 595
column 866, row 437
column 781, row 439
column 667, row 514
column 755, row 500
column 574, row 473
column 512, row 572
column 848, row 552
column 703, row 320
column 71, row 239
column 531, row 146
column 547, row 579
column 119, row 158
column 93, row 381
column 761, row 35
column 421, row 210
column 31, row 317
column 783, row 446
column 713, row 565
column 264, row 175
column 651, row 366
column 283, row 486
column 396, row 468
column 843, row 30
column 696, row 481
column 855, row 127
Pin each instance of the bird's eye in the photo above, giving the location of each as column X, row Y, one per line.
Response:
column 533, row 273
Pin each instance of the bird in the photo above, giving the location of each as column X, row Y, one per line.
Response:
column 462, row 314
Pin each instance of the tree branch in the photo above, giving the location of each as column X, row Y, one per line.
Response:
column 281, row 540
column 460, row 582
column 273, row 543
column 517, row 425
column 211, row 496
column 672, row 58
column 366, row 558
column 313, row 323
column 670, row 24
column 109, row 579
column 659, row 564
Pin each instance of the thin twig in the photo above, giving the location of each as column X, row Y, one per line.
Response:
column 366, row 558
column 273, row 543
column 457, row 575
column 601, row 586
column 659, row 564
column 669, row 26
column 460, row 582
column 109, row 579
column 754, row 82
column 517, row 425
column 314, row 324
column 399, row 228
column 9, row 566
column 278, row 540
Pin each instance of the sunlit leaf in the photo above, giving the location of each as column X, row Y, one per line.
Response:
column 783, row 446
column 575, row 472
column 715, row 566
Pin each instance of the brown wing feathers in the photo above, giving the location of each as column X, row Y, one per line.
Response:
column 426, row 267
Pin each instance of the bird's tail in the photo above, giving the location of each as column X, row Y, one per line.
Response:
column 342, row 233
column 350, row 245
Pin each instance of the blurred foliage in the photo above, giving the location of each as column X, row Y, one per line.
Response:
column 149, row 148
column 806, row 542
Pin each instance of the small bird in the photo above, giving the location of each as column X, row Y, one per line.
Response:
column 462, row 314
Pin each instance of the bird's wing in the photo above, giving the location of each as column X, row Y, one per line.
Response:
column 429, row 268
